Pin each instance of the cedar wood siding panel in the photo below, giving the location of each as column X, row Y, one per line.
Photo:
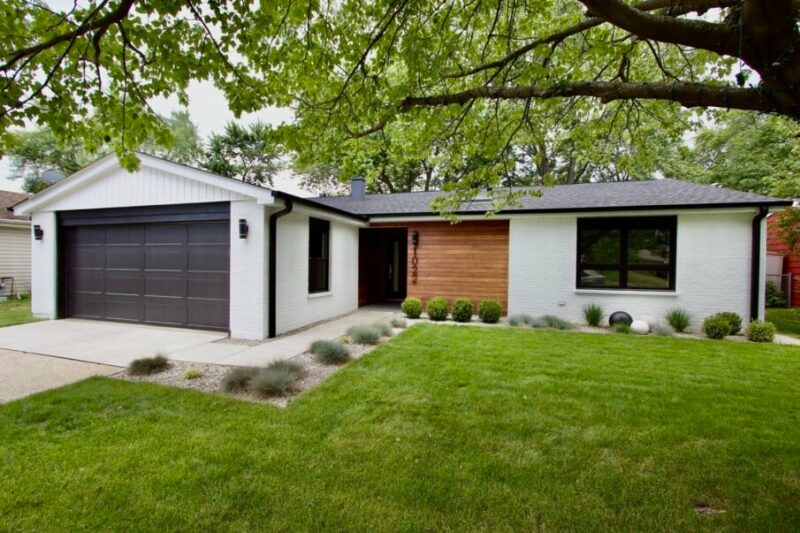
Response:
column 465, row 260
column 791, row 262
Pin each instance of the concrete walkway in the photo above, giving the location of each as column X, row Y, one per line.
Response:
column 23, row 374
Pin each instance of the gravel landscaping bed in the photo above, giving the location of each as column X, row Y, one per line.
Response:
column 212, row 375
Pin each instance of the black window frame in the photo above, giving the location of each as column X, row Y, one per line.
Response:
column 323, row 262
column 624, row 225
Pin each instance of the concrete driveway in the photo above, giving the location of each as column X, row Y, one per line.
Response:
column 22, row 374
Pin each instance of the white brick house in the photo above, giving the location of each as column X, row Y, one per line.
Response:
column 173, row 245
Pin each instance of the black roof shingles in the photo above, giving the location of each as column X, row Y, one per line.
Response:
column 611, row 196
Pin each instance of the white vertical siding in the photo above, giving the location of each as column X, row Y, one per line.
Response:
column 15, row 255
column 44, row 263
column 712, row 269
column 249, row 282
column 147, row 186
column 295, row 306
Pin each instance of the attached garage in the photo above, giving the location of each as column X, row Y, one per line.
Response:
column 165, row 265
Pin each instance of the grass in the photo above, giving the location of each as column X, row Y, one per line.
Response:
column 787, row 321
column 442, row 428
column 14, row 312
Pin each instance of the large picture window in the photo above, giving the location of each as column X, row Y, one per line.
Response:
column 319, row 232
column 626, row 253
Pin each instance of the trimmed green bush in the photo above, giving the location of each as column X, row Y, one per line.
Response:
column 193, row 372
column 775, row 296
column 679, row 319
column 716, row 327
column 412, row 307
column 364, row 334
column 462, row 310
column 661, row 330
column 490, row 311
column 330, row 352
column 734, row 321
column 148, row 365
column 238, row 379
column 593, row 313
column 272, row 381
column 759, row 331
column 555, row 322
column 437, row 309
column 399, row 323
column 384, row 328
column 622, row 328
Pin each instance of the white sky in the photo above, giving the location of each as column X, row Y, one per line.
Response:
column 209, row 110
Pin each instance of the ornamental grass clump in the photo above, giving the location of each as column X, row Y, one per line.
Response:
column 679, row 319
column 622, row 328
column 716, row 327
column 384, row 328
column 399, row 323
column 148, row 365
column 462, row 310
column 520, row 320
column 759, row 331
column 364, row 334
column 661, row 330
column 593, row 313
column 193, row 372
column 437, row 309
column 555, row 322
column 238, row 379
column 412, row 307
column 330, row 352
column 272, row 381
column 490, row 311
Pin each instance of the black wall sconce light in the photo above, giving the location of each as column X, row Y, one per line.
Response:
column 243, row 229
column 38, row 232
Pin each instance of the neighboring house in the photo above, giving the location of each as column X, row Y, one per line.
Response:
column 777, row 247
column 178, row 246
column 15, row 244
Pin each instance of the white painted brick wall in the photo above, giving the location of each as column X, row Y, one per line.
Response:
column 249, row 283
column 712, row 269
column 295, row 306
column 44, row 263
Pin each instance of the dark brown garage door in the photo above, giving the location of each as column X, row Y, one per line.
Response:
column 164, row 273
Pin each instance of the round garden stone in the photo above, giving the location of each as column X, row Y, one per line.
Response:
column 641, row 327
column 619, row 317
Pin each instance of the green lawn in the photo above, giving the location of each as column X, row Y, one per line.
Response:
column 442, row 428
column 787, row 321
column 13, row 312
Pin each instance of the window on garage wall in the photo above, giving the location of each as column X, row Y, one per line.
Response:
column 635, row 253
column 319, row 232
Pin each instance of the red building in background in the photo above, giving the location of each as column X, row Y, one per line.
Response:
column 791, row 261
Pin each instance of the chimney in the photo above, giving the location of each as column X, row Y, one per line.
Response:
column 358, row 188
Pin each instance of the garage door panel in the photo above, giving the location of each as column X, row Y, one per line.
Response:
column 164, row 273
column 124, row 283
column 165, row 284
column 212, row 258
column 165, row 257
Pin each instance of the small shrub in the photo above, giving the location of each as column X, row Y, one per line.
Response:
column 554, row 322
column 193, row 372
column 679, row 319
column 238, row 379
column 490, row 311
column 399, row 323
column 734, row 321
column 539, row 322
column 716, row 327
column 759, row 331
column 622, row 328
column 437, row 309
column 775, row 296
column 661, row 330
column 272, row 381
column 384, row 328
column 364, row 334
column 519, row 320
column 148, row 365
column 412, row 307
column 593, row 313
column 293, row 367
column 330, row 352
column 462, row 310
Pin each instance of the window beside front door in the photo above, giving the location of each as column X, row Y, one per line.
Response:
column 319, row 232
column 626, row 253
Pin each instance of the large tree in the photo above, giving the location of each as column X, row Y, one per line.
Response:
column 247, row 153
column 475, row 73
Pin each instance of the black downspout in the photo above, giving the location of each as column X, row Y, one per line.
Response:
column 273, row 260
column 755, row 269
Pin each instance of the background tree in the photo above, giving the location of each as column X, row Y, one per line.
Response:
column 248, row 153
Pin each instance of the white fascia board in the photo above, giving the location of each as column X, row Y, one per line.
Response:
column 327, row 215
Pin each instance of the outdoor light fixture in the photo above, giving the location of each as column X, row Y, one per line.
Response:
column 38, row 233
column 415, row 237
column 243, row 229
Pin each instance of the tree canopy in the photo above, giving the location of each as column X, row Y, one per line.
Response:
column 459, row 81
column 247, row 153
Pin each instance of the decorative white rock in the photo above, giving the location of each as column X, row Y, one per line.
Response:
column 650, row 319
column 641, row 327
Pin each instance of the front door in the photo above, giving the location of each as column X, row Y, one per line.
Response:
column 396, row 266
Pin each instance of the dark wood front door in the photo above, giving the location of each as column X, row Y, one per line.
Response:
column 162, row 273
column 396, row 267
